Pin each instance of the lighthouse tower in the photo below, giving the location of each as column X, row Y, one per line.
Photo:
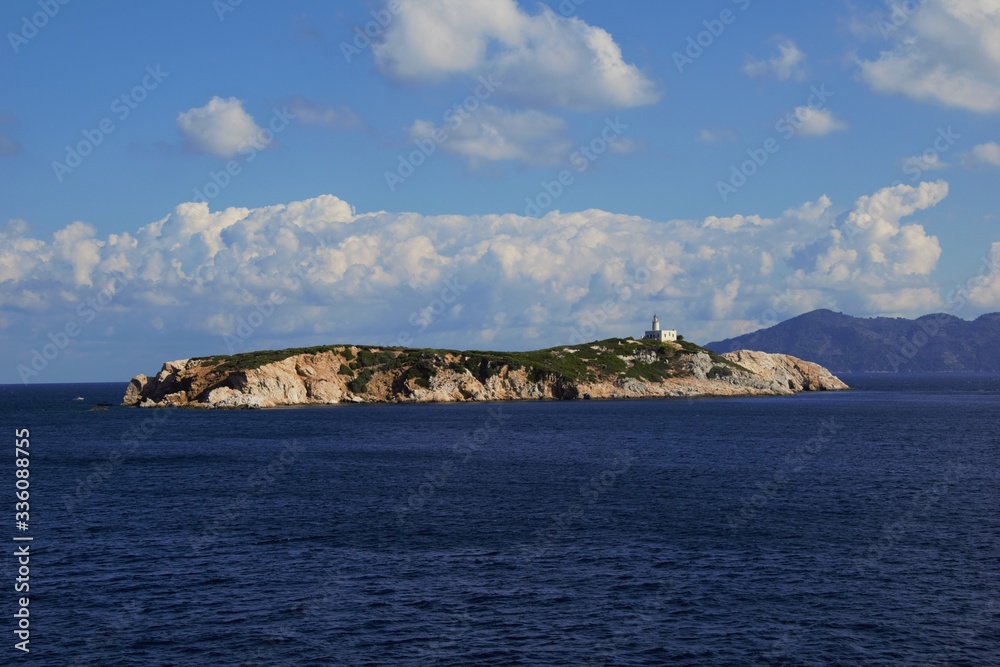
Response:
column 660, row 336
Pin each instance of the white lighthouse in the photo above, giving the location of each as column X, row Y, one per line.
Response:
column 659, row 335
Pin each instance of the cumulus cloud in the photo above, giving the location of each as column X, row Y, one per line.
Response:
column 946, row 51
column 813, row 122
column 19, row 254
column 985, row 154
column 78, row 248
column 788, row 63
column 222, row 127
column 542, row 60
column 985, row 291
column 508, row 281
column 492, row 134
column 871, row 254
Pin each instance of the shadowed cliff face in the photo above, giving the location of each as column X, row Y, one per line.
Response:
column 614, row 368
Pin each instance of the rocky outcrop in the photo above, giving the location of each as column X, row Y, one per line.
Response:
column 782, row 371
column 606, row 369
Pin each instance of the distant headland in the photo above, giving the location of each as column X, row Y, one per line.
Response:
column 930, row 344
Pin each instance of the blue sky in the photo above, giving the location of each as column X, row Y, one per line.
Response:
column 757, row 160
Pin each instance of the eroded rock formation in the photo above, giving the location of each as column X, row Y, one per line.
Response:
column 615, row 368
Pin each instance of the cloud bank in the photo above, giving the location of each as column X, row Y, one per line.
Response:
column 325, row 273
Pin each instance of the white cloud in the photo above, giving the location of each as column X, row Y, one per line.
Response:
column 811, row 122
column 985, row 290
column 19, row 254
column 871, row 254
column 948, row 52
column 788, row 63
column 492, row 134
column 520, row 281
column 308, row 112
column 930, row 161
column 985, row 154
column 75, row 244
column 724, row 135
column 221, row 127
column 541, row 60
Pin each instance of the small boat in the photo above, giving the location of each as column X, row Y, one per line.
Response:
column 78, row 398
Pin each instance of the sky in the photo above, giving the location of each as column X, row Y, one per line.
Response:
column 214, row 176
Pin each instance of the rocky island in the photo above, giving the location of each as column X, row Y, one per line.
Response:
column 612, row 368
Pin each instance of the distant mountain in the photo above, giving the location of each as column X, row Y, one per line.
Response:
column 841, row 343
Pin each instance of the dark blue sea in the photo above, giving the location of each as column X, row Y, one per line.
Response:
column 855, row 528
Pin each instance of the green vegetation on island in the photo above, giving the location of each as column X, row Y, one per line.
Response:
column 587, row 362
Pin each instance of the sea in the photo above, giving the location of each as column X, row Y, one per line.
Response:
column 843, row 528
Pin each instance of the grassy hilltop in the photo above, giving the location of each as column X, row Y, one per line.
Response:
column 587, row 362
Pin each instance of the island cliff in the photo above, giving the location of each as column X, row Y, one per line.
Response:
column 613, row 368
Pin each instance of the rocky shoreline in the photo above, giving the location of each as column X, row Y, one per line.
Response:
column 612, row 369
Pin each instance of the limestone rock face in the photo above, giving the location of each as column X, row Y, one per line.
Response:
column 699, row 365
column 786, row 371
column 337, row 375
column 133, row 395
